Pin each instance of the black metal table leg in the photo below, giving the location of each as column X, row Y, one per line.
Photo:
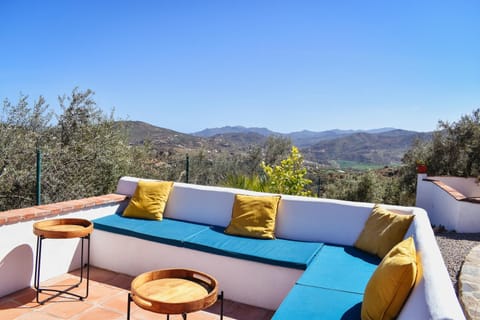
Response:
column 220, row 296
column 36, row 280
column 128, row 305
column 37, row 265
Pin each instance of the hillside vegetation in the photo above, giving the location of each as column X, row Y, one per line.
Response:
column 85, row 152
column 335, row 148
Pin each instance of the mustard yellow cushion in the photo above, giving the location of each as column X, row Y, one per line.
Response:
column 382, row 231
column 391, row 283
column 254, row 216
column 149, row 200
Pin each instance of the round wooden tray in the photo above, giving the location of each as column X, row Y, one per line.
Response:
column 174, row 291
column 63, row 228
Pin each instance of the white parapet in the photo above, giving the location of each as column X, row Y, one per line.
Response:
column 447, row 202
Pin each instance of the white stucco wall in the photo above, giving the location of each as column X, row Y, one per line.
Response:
column 18, row 249
column 468, row 217
column 444, row 209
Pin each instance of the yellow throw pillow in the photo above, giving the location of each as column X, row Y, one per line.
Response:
column 149, row 200
column 382, row 231
column 391, row 283
column 254, row 216
column 419, row 268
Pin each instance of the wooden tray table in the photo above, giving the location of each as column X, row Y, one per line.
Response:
column 64, row 228
column 174, row 291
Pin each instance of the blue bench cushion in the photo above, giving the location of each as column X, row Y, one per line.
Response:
column 340, row 268
column 168, row 231
column 281, row 252
column 305, row 302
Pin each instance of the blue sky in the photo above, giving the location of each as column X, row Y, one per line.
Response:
column 284, row 65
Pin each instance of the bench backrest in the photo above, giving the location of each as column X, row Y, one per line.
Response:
column 299, row 218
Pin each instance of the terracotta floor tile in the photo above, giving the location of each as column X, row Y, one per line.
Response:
column 10, row 309
column 202, row 315
column 97, row 274
column 26, row 298
column 121, row 281
column 100, row 313
column 118, row 302
column 107, row 299
column 24, row 295
column 65, row 284
column 97, row 292
column 245, row 312
column 66, row 309
column 36, row 316
column 45, row 298
column 141, row 314
column 191, row 316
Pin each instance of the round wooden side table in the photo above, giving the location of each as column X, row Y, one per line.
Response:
column 174, row 291
column 62, row 229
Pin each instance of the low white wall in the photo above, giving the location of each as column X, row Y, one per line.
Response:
column 443, row 209
column 468, row 217
column 424, row 194
column 18, row 250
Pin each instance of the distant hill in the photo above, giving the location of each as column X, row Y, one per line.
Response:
column 382, row 146
column 166, row 140
column 163, row 139
column 240, row 140
column 210, row 132
column 301, row 139
column 386, row 147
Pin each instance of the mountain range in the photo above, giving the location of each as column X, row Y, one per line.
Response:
column 382, row 146
column 300, row 139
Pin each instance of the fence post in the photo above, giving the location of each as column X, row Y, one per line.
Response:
column 39, row 177
column 318, row 187
column 187, row 167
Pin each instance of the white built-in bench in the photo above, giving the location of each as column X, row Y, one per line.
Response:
column 311, row 270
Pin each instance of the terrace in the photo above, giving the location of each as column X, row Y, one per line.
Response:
column 108, row 290
column 109, row 284
column 107, row 300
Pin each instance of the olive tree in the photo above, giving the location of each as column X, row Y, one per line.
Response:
column 22, row 127
column 84, row 153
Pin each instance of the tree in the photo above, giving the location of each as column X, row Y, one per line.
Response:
column 289, row 176
column 369, row 186
column 88, row 153
column 454, row 149
column 21, row 129
column 84, row 154
column 276, row 148
column 420, row 152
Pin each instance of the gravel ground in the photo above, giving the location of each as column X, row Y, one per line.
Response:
column 455, row 247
